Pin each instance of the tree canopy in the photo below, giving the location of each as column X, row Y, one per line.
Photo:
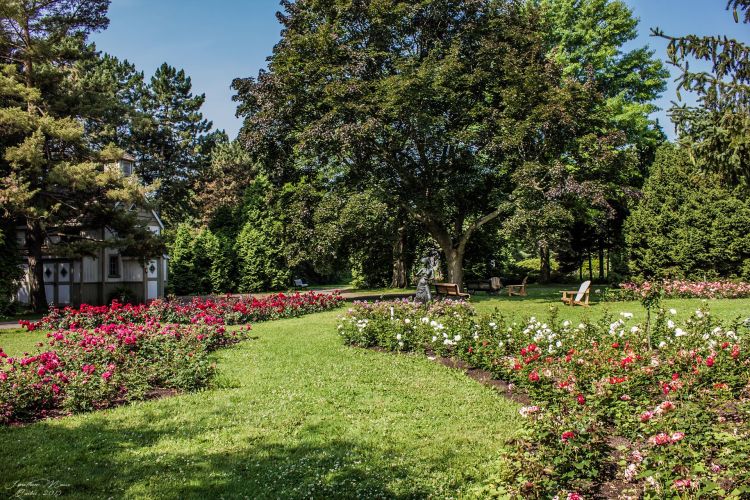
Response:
column 431, row 105
column 54, row 181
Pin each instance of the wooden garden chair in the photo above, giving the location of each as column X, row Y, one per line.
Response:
column 517, row 289
column 579, row 298
column 450, row 290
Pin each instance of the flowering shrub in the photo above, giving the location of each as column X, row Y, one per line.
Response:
column 676, row 289
column 85, row 369
column 229, row 311
column 606, row 409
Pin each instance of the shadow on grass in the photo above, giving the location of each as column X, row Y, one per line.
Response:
column 101, row 460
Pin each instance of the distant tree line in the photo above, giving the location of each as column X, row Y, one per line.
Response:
column 513, row 137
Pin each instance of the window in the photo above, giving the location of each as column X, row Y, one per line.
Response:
column 127, row 167
column 114, row 266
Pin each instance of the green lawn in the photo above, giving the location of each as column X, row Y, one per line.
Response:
column 297, row 415
column 294, row 414
column 542, row 298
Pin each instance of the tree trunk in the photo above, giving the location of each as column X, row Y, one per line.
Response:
column 608, row 252
column 580, row 271
column 591, row 268
column 454, row 247
column 455, row 264
column 34, row 245
column 601, row 261
column 399, row 259
column 545, row 269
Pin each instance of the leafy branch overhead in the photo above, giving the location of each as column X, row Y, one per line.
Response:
column 716, row 130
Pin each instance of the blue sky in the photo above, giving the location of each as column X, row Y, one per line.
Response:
column 219, row 40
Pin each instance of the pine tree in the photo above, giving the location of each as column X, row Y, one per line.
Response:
column 174, row 143
column 716, row 132
column 55, row 182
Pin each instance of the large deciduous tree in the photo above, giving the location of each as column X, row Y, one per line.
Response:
column 432, row 105
column 578, row 191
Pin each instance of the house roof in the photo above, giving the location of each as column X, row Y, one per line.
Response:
column 127, row 157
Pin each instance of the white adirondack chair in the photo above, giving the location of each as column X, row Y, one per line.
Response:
column 579, row 298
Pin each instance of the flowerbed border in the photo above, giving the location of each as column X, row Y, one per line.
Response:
column 609, row 490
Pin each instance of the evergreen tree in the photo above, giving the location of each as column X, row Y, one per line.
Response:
column 182, row 270
column 224, row 182
column 220, row 251
column 55, row 183
column 173, row 144
column 110, row 92
column 10, row 264
column 687, row 225
column 716, row 131
column 259, row 245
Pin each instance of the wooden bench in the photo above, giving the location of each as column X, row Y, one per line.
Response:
column 449, row 290
column 492, row 285
column 518, row 289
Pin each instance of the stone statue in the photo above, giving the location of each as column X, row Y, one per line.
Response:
column 425, row 274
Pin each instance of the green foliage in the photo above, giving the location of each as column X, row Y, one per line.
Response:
column 10, row 263
column 220, row 252
column 260, row 243
column 716, row 131
column 53, row 176
column 356, row 228
column 572, row 199
column 431, row 106
column 182, row 272
column 201, row 262
column 687, row 225
column 172, row 143
column 224, row 182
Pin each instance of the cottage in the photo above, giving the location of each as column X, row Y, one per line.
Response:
column 99, row 278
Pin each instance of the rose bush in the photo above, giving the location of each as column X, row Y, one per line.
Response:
column 232, row 311
column 606, row 409
column 682, row 289
column 86, row 369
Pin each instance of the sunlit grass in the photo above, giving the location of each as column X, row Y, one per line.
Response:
column 296, row 414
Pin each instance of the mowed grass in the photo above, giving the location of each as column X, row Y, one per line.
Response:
column 296, row 414
column 541, row 300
